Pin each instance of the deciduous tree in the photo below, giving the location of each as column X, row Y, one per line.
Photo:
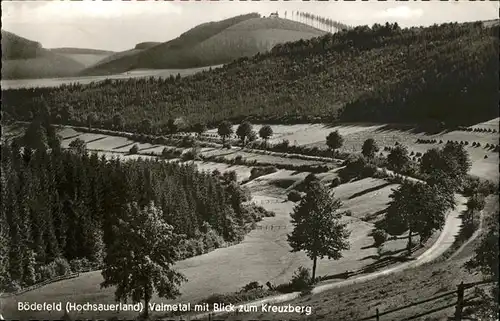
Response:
column 265, row 132
column 244, row 130
column 334, row 140
column 317, row 227
column 486, row 261
column 224, row 130
column 369, row 148
column 140, row 260
column 417, row 207
column 200, row 128
column 398, row 158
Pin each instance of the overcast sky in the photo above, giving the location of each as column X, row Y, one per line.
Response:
column 118, row 25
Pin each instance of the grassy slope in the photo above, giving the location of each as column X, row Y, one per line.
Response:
column 251, row 36
column 87, row 57
column 397, row 290
column 23, row 58
column 116, row 63
column 211, row 44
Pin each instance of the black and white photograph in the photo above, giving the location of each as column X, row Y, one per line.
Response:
column 249, row 160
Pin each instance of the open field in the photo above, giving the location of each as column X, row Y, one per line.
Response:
column 123, row 145
column 355, row 134
column 249, row 156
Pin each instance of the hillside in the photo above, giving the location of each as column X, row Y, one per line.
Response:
column 23, row 58
column 87, row 57
column 81, row 51
column 383, row 73
column 211, row 44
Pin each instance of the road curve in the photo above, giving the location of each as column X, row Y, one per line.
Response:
column 446, row 238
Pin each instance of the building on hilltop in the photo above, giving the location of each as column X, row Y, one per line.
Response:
column 274, row 15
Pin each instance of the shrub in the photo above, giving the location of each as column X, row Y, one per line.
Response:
column 294, row 196
column 76, row 265
column 187, row 141
column 230, row 176
column 46, row 272
column 226, row 146
column 191, row 154
column 336, row 182
column 134, row 149
column 284, row 288
column 261, row 171
column 238, row 160
column 62, row 266
column 165, row 153
column 301, row 279
column 369, row 170
column 12, row 286
column 379, row 237
column 251, row 286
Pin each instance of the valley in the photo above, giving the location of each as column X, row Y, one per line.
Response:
column 250, row 157
column 264, row 254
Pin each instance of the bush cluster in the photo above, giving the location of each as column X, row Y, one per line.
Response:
column 261, row 171
column 294, row 196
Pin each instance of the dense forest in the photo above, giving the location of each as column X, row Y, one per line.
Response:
column 446, row 73
column 59, row 207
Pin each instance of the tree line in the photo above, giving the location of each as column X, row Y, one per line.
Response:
column 383, row 73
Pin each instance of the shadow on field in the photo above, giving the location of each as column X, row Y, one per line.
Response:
column 348, row 125
column 369, row 190
column 126, row 145
column 414, row 129
column 96, row 139
column 147, row 148
column 374, row 216
column 71, row 137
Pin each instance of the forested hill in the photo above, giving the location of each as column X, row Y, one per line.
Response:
column 209, row 44
column 23, row 58
column 446, row 73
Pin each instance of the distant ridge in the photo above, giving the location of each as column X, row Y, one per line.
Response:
column 207, row 44
column 81, row 51
column 24, row 58
column 146, row 45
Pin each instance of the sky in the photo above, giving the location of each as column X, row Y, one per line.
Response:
column 119, row 25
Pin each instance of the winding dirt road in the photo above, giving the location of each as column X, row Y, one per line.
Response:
column 443, row 243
